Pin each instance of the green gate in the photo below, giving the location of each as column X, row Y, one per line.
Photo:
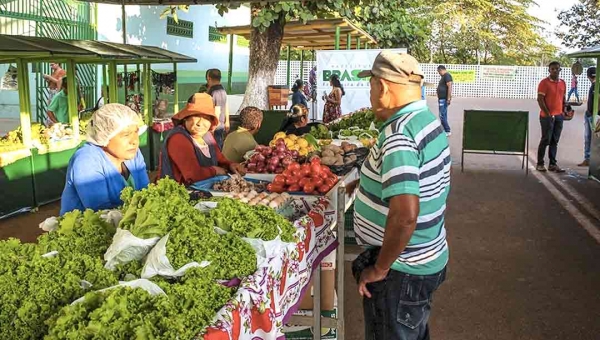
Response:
column 57, row 19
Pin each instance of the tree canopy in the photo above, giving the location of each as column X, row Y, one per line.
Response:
column 580, row 25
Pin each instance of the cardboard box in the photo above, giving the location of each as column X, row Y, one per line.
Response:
column 306, row 332
column 327, row 285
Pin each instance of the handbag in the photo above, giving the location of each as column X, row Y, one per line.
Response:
column 569, row 113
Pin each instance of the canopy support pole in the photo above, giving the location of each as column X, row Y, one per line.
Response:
column 302, row 65
column 358, row 43
column 112, row 82
column 595, row 108
column 104, row 85
column 338, row 31
column 176, row 94
column 72, row 96
column 349, row 41
column 139, row 79
column 289, row 65
column 124, row 28
column 147, row 94
column 230, row 68
column 24, row 102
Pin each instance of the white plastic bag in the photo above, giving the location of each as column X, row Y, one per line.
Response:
column 112, row 216
column 205, row 207
column 125, row 248
column 146, row 285
column 49, row 224
column 157, row 262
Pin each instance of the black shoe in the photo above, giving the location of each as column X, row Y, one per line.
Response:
column 556, row 168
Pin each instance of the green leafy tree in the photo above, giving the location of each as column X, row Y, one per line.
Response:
column 486, row 32
column 582, row 24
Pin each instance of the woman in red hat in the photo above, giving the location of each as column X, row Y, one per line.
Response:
column 190, row 153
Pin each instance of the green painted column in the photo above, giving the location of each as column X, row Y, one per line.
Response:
column 302, row 64
column 104, row 83
column 349, row 41
column 176, row 94
column 289, row 65
column 139, row 83
column 596, row 99
column 72, row 97
column 112, row 82
column 337, row 37
column 358, row 43
column 24, row 102
column 147, row 94
column 230, row 69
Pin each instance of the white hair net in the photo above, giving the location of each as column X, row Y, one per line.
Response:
column 108, row 121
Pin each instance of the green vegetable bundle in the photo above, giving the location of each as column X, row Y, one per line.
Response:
column 33, row 287
column 320, row 132
column 155, row 210
column 361, row 119
column 251, row 221
column 79, row 233
column 132, row 313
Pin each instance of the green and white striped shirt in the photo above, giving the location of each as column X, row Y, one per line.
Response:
column 411, row 157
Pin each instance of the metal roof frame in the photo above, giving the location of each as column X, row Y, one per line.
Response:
column 314, row 34
column 590, row 52
column 14, row 47
column 174, row 2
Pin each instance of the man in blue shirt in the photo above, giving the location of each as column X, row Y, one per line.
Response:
column 589, row 120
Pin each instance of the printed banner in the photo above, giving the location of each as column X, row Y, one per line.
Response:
column 498, row 72
column 463, row 76
column 346, row 64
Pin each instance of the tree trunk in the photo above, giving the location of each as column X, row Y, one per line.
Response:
column 264, row 58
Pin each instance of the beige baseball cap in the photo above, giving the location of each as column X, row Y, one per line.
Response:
column 400, row 68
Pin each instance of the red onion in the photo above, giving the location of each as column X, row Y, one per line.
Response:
column 267, row 151
column 281, row 148
column 278, row 170
column 295, row 153
column 279, row 142
column 273, row 161
column 260, row 158
column 270, row 168
column 260, row 169
column 287, row 161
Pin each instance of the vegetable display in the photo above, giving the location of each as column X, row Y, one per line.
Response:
column 253, row 222
column 311, row 178
column 320, row 132
column 294, row 143
column 273, row 159
column 272, row 200
column 338, row 155
column 361, row 119
column 237, row 184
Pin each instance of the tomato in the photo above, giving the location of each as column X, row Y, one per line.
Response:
column 315, row 168
column 330, row 182
column 297, row 173
column 275, row 188
column 279, row 180
column 293, row 188
column 324, row 188
column 315, row 160
column 270, row 187
column 288, row 173
column 325, row 168
column 303, row 181
column 317, row 181
column 305, row 166
column 294, row 166
column 291, row 180
column 308, row 188
column 306, row 172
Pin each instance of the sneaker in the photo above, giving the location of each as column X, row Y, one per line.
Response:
column 541, row 168
column 448, row 134
column 556, row 168
column 584, row 163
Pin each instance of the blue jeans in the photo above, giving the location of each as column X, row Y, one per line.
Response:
column 573, row 90
column 400, row 306
column 587, row 137
column 443, row 104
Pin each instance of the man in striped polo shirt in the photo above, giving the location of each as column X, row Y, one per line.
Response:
column 400, row 205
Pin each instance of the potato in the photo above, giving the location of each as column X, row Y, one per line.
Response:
column 328, row 160
column 347, row 148
column 344, row 144
column 339, row 162
column 353, row 157
column 347, row 160
column 335, row 149
column 327, row 153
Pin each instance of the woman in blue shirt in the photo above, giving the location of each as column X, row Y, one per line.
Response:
column 298, row 94
column 107, row 163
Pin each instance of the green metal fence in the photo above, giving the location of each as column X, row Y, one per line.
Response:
column 58, row 19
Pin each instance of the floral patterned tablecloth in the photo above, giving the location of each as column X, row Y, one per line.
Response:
column 266, row 300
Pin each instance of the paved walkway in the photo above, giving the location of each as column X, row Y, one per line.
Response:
column 521, row 266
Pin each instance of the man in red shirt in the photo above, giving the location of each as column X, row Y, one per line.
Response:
column 551, row 99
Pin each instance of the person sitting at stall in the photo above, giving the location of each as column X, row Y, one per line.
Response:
column 110, row 161
column 298, row 96
column 58, row 110
column 190, row 152
column 242, row 140
column 296, row 121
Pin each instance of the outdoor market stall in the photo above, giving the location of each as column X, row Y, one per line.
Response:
column 34, row 164
column 594, row 172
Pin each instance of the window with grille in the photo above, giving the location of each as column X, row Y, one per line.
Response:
column 242, row 42
column 215, row 36
column 182, row 28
